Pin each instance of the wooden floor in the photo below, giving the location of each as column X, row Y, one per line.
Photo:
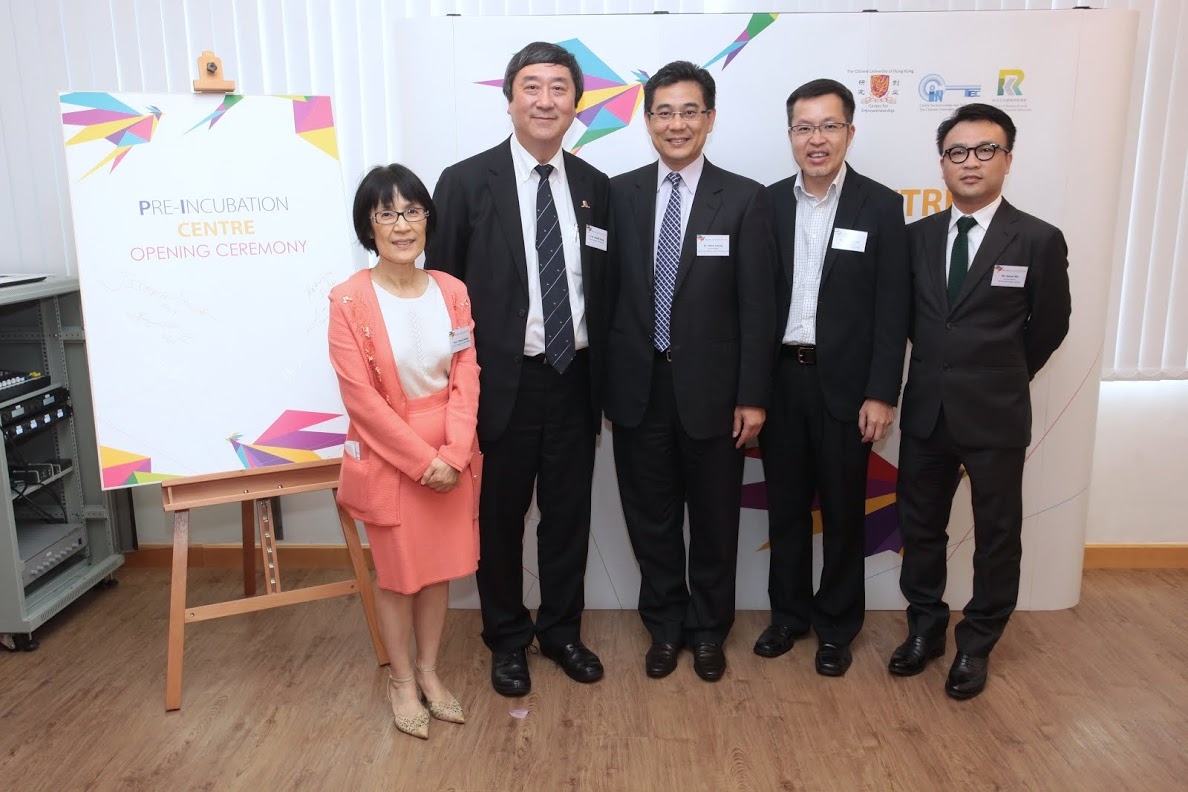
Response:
column 1095, row 698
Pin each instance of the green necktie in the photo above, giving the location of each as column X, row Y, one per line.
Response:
column 959, row 261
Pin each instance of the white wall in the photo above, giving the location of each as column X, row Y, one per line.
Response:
column 1136, row 494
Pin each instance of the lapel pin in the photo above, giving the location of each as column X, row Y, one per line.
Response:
column 585, row 204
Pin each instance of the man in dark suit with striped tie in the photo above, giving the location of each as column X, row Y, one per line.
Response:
column 689, row 366
column 990, row 305
column 524, row 225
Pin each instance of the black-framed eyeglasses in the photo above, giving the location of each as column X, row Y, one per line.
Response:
column 688, row 114
column 983, row 151
column 829, row 129
column 413, row 214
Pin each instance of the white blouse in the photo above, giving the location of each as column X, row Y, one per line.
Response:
column 419, row 329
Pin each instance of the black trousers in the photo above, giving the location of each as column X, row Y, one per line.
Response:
column 548, row 444
column 661, row 469
column 929, row 472
column 807, row 451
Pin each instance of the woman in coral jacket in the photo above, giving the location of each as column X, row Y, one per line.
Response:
column 401, row 343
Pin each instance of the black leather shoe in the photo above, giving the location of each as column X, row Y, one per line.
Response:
column 833, row 659
column 775, row 641
column 967, row 676
column 661, row 659
column 911, row 656
column 578, row 662
column 709, row 661
column 509, row 673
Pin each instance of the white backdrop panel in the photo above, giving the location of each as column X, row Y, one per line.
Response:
column 1056, row 74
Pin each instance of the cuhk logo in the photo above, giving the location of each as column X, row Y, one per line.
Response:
column 1010, row 82
column 879, row 83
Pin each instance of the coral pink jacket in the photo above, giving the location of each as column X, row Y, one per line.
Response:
column 377, row 407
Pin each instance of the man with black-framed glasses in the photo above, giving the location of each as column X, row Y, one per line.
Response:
column 844, row 292
column 689, row 366
column 990, row 305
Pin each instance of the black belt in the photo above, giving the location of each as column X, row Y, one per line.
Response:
column 804, row 354
column 665, row 355
column 543, row 359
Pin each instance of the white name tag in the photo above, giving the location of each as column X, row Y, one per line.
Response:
column 352, row 448
column 1010, row 276
column 596, row 237
column 459, row 339
column 849, row 239
column 713, row 244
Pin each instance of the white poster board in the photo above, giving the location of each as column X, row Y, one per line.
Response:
column 209, row 231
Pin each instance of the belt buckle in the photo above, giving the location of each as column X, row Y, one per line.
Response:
column 805, row 355
column 668, row 354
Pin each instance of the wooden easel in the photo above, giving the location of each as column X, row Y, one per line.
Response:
column 254, row 489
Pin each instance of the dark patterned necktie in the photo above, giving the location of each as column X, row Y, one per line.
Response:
column 554, row 286
column 668, row 258
column 959, row 260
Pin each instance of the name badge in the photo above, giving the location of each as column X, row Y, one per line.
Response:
column 849, row 239
column 352, row 448
column 713, row 244
column 596, row 237
column 1013, row 277
column 459, row 339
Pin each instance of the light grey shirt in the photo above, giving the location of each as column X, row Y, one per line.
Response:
column 814, row 222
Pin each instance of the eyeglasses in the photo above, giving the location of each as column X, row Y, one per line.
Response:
column 688, row 114
column 984, row 152
column 413, row 214
column 828, row 129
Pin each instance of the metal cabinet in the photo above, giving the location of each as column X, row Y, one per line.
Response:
column 56, row 535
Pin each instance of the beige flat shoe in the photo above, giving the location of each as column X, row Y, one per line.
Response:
column 449, row 710
column 416, row 725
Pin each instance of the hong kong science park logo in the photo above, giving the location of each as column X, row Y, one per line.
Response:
column 1010, row 82
column 933, row 89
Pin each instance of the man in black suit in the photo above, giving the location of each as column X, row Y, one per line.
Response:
column 990, row 305
column 524, row 225
column 844, row 291
column 689, row 359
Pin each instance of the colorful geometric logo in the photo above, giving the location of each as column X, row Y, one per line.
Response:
column 121, row 468
column 287, row 441
column 610, row 103
column 1010, row 82
column 882, row 518
column 313, row 119
column 229, row 101
column 757, row 24
column 107, row 118
column 933, row 89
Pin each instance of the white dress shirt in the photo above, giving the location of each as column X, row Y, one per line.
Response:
column 527, row 181
column 975, row 234
column 688, row 187
column 814, row 222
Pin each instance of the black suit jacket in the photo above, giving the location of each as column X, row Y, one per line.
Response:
column 723, row 307
column 479, row 239
column 976, row 359
column 864, row 299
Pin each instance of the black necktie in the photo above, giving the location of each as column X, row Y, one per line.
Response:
column 959, row 260
column 554, row 286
